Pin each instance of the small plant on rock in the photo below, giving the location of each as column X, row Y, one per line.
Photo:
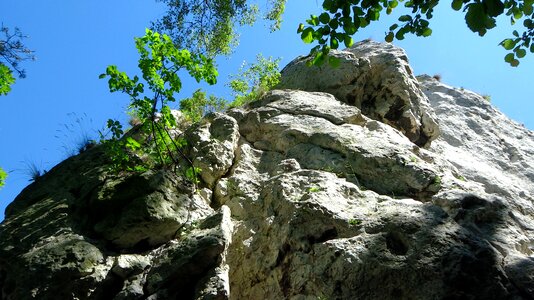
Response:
column 33, row 171
column 314, row 189
column 436, row 180
column 355, row 222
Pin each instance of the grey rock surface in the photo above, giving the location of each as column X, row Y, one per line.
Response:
column 304, row 195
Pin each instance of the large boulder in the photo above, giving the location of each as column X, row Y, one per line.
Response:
column 374, row 77
column 332, row 204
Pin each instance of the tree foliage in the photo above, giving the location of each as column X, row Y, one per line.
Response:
column 12, row 52
column 160, row 62
column 341, row 19
column 208, row 26
column 254, row 79
column 199, row 104
column 3, row 176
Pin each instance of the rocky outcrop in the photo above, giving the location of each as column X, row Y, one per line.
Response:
column 304, row 195
column 375, row 78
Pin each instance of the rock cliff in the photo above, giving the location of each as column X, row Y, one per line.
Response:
column 360, row 182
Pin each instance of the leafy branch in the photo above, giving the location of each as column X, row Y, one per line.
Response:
column 209, row 26
column 160, row 62
column 341, row 19
column 12, row 51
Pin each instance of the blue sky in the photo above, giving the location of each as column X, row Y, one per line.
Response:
column 61, row 99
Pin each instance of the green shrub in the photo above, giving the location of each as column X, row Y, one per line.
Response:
column 254, row 80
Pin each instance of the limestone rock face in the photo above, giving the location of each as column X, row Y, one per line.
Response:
column 304, row 195
column 376, row 78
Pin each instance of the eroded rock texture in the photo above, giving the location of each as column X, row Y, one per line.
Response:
column 304, row 195
column 375, row 78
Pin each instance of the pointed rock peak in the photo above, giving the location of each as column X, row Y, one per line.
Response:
column 376, row 78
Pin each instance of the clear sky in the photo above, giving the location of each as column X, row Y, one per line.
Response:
column 62, row 99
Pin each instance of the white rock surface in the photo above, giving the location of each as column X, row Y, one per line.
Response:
column 377, row 79
column 303, row 196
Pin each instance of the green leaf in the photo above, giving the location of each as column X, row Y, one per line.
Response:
column 509, row 57
column 319, row 58
column 363, row 22
column 405, row 18
column 514, row 63
column 192, row 173
column 324, row 18
column 6, row 79
column 518, row 14
column 333, row 23
column 508, row 44
column 334, row 44
column 314, row 20
column 132, row 144
column 328, row 4
column 389, row 37
column 532, row 48
column 427, row 32
column 400, row 34
column 520, row 52
column 300, row 28
column 349, row 27
column 528, row 8
column 373, row 14
column 307, row 35
column 349, row 41
column 476, row 18
column 393, row 27
column 358, row 11
column 423, row 23
column 493, row 7
column 457, row 4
